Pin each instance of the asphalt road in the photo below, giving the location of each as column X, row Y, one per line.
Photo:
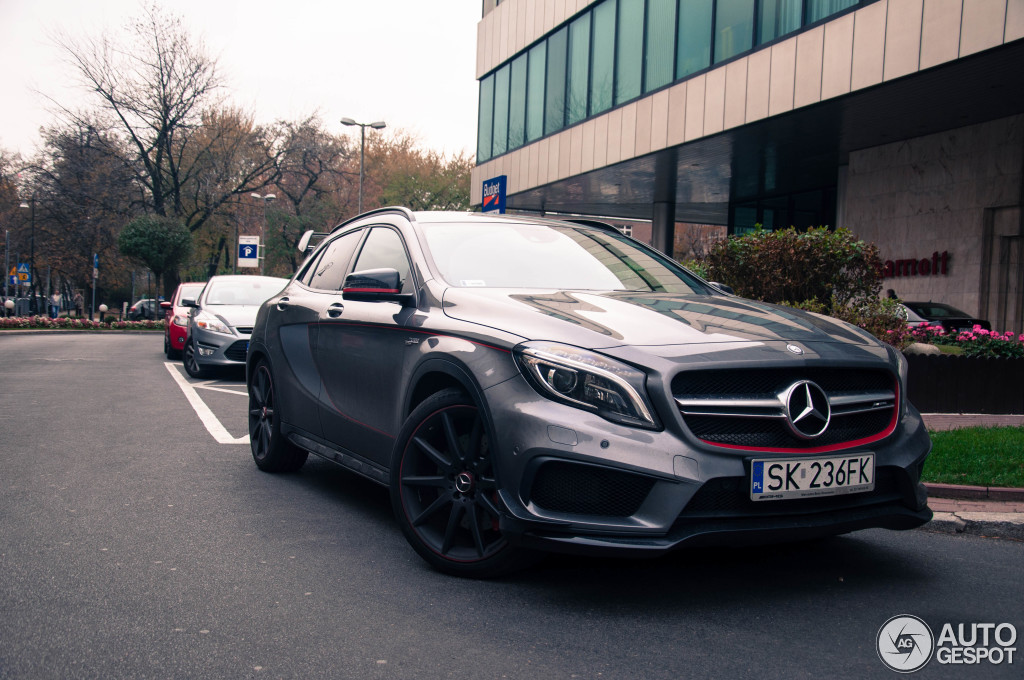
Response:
column 134, row 545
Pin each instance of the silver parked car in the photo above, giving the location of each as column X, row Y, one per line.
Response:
column 525, row 384
column 221, row 320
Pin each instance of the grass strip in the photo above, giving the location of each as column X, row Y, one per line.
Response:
column 977, row 456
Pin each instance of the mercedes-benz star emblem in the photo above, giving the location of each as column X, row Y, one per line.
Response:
column 794, row 349
column 807, row 409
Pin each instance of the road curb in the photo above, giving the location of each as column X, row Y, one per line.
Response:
column 985, row 524
column 975, row 493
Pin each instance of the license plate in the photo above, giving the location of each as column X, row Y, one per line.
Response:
column 775, row 479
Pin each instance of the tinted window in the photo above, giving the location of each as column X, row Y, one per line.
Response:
column 660, row 60
column 694, row 37
column 500, row 142
column 629, row 47
column 384, row 249
column 935, row 310
column 328, row 272
column 579, row 63
column 554, row 112
column 602, row 53
column 777, row 18
column 517, row 103
column 483, row 147
column 819, row 9
column 535, row 93
column 734, row 28
column 561, row 257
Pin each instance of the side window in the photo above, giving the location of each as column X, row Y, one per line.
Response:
column 310, row 267
column 383, row 248
column 328, row 272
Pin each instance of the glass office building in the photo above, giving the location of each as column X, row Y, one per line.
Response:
column 614, row 51
column 902, row 120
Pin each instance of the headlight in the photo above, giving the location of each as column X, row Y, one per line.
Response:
column 587, row 380
column 209, row 322
column 180, row 320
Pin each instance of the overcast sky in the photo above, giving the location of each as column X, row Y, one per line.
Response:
column 409, row 63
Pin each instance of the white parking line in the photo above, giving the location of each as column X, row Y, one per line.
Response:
column 209, row 420
column 207, row 386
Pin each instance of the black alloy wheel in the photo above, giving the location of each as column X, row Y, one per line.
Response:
column 444, row 492
column 271, row 451
column 191, row 361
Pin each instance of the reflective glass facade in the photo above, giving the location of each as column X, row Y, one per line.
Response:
column 616, row 51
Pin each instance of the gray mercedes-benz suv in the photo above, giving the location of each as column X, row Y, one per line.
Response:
column 527, row 384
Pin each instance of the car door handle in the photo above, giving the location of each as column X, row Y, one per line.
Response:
column 283, row 304
column 335, row 310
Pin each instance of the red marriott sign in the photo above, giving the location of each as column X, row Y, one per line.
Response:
column 937, row 264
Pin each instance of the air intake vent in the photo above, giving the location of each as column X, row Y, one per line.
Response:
column 560, row 486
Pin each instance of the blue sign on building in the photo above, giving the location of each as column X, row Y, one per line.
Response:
column 494, row 194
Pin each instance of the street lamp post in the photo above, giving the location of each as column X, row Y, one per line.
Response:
column 265, row 198
column 7, row 260
column 362, row 145
column 32, row 259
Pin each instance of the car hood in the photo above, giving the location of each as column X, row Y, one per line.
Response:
column 235, row 315
column 612, row 319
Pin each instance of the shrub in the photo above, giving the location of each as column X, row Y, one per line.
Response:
column 982, row 343
column 68, row 323
column 831, row 267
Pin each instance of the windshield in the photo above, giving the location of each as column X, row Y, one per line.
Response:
column 190, row 291
column 248, row 291
column 561, row 257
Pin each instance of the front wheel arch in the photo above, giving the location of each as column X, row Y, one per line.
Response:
column 444, row 488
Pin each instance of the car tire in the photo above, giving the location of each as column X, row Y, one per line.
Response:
column 444, row 491
column 271, row 451
column 191, row 360
column 169, row 351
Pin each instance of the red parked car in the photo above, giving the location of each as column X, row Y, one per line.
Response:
column 177, row 318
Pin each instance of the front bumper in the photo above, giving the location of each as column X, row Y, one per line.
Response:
column 218, row 349
column 574, row 482
column 176, row 335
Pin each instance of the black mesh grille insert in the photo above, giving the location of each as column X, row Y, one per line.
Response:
column 730, row 496
column 237, row 350
column 561, row 486
column 764, row 433
column 771, row 381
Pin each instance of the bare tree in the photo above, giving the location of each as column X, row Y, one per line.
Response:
column 159, row 96
column 155, row 86
column 83, row 194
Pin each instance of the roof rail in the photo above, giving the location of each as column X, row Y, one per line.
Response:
column 404, row 212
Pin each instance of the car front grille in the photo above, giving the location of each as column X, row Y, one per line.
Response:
column 745, row 409
column 244, row 330
column 730, row 497
column 236, row 352
column 561, row 486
